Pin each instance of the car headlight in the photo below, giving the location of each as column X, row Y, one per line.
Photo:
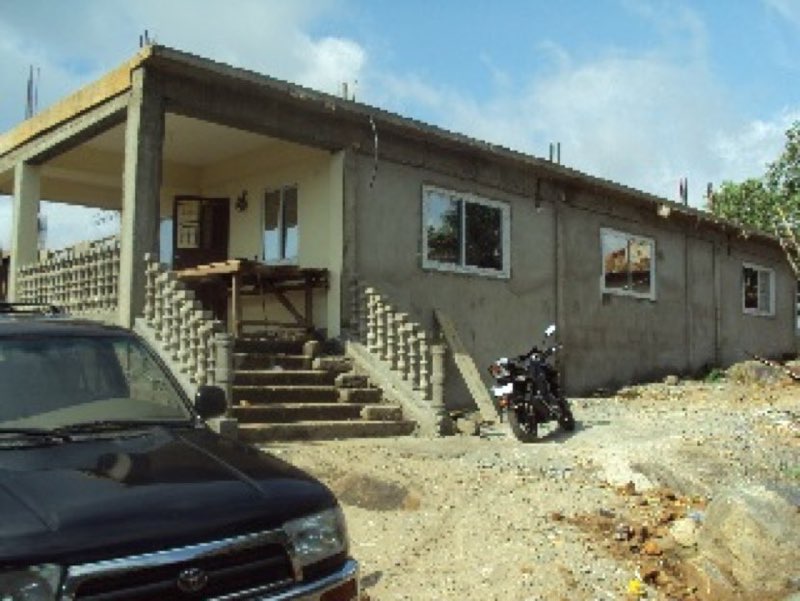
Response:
column 36, row 583
column 317, row 536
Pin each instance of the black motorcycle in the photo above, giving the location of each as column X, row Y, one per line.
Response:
column 528, row 392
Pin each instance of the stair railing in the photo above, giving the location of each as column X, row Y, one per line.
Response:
column 412, row 364
column 195, row 344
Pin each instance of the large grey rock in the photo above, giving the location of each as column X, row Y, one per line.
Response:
column 749, row 543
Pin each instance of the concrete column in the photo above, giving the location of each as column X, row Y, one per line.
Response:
column 25, row 221
column 141, row 191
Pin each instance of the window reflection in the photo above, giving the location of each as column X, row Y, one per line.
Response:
column 281, row 233
column 484, row 240
column 615, row 260
column 443, row 224
column 627, row 263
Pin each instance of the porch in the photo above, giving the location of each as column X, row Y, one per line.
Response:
column 203, row 164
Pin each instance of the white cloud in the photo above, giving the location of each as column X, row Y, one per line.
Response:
column 329, row 62
column 74, row 43
column 748, row 150
column 644, row 120
column 788, row 9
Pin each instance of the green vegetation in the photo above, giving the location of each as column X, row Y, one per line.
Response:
column 770, row 203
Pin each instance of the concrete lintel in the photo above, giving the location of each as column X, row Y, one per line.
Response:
column 68, row 134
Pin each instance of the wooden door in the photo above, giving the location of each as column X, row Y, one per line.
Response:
column 200, row 230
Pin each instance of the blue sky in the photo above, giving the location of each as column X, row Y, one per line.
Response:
column 641, row 92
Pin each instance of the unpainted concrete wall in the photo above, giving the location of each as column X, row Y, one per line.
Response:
column 696, row 320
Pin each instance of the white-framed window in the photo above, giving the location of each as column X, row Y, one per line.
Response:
column 758, row 289
column 466, row 233
column 628, row 264
column 280, row 225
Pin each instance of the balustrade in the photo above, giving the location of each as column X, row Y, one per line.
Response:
column 184, row 331
column 391, row 335
column 82, row 279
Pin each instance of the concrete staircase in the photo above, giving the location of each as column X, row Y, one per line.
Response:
column 280, row 393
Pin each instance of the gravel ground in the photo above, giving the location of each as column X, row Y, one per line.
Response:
column 470, row 518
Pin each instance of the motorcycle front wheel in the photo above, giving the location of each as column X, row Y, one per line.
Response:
column 523, row 426
column 566, row 420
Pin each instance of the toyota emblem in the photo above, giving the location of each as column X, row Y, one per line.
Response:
column 192, row 580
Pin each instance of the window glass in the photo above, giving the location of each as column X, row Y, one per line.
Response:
column 50, row 382
column 443, row 225
column 465, row 233
column 615, row 260
column 764, row 291
column 289, row 225
column 272, row 239
column 757, row 293
column 627, row 264
column 165, row 241
column 639, row 261
column 750, row 288
column 484, row 236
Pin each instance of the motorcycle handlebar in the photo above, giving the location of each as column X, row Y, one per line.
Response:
column 545, row 353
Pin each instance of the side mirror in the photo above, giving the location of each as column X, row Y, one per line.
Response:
column 209, row 401
column 551, row 329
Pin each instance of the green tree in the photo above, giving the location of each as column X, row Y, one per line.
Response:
column 770, row 203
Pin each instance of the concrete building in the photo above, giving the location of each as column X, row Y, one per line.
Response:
column 239, row 165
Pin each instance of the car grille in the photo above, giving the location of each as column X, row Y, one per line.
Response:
column 233, row 568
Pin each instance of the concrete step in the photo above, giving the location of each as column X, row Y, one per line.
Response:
column 280, row 377
column 285, row 394
column 381, row 412
column 327, row 430
column 297, row 412
column 333, row 363
column 270, row 360
column 360, row 395
column 268, row 345
column 351, row 380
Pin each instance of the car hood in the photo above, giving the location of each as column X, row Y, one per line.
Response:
column 105, row 496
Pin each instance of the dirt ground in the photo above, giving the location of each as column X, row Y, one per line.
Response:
column 582, row 515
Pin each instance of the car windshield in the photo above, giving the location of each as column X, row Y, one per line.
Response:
column 57, row 382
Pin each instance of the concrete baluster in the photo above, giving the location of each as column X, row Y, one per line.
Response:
column 185, row 308
column 223, row 369
column 437, row 381
column 413, row 354
column 400, row 320
column 371, row 305
column 391, row 337
column 380, row 328
column 424, row 366
column 151, row 272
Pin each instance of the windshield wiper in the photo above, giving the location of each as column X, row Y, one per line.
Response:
column 112, row 425
column 42, row 433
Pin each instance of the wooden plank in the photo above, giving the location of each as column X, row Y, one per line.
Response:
column 466, row 366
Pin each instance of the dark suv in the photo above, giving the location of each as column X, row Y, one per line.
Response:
column 112, row 487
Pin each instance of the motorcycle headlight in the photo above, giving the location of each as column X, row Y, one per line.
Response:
column 35, row 583
column 318, row 536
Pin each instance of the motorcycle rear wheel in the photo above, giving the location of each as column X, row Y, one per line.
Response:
column 523, row 426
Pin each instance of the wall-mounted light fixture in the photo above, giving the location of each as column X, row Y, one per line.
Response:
column 241, row 202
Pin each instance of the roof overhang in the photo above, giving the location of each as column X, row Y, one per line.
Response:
column 109, row 94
